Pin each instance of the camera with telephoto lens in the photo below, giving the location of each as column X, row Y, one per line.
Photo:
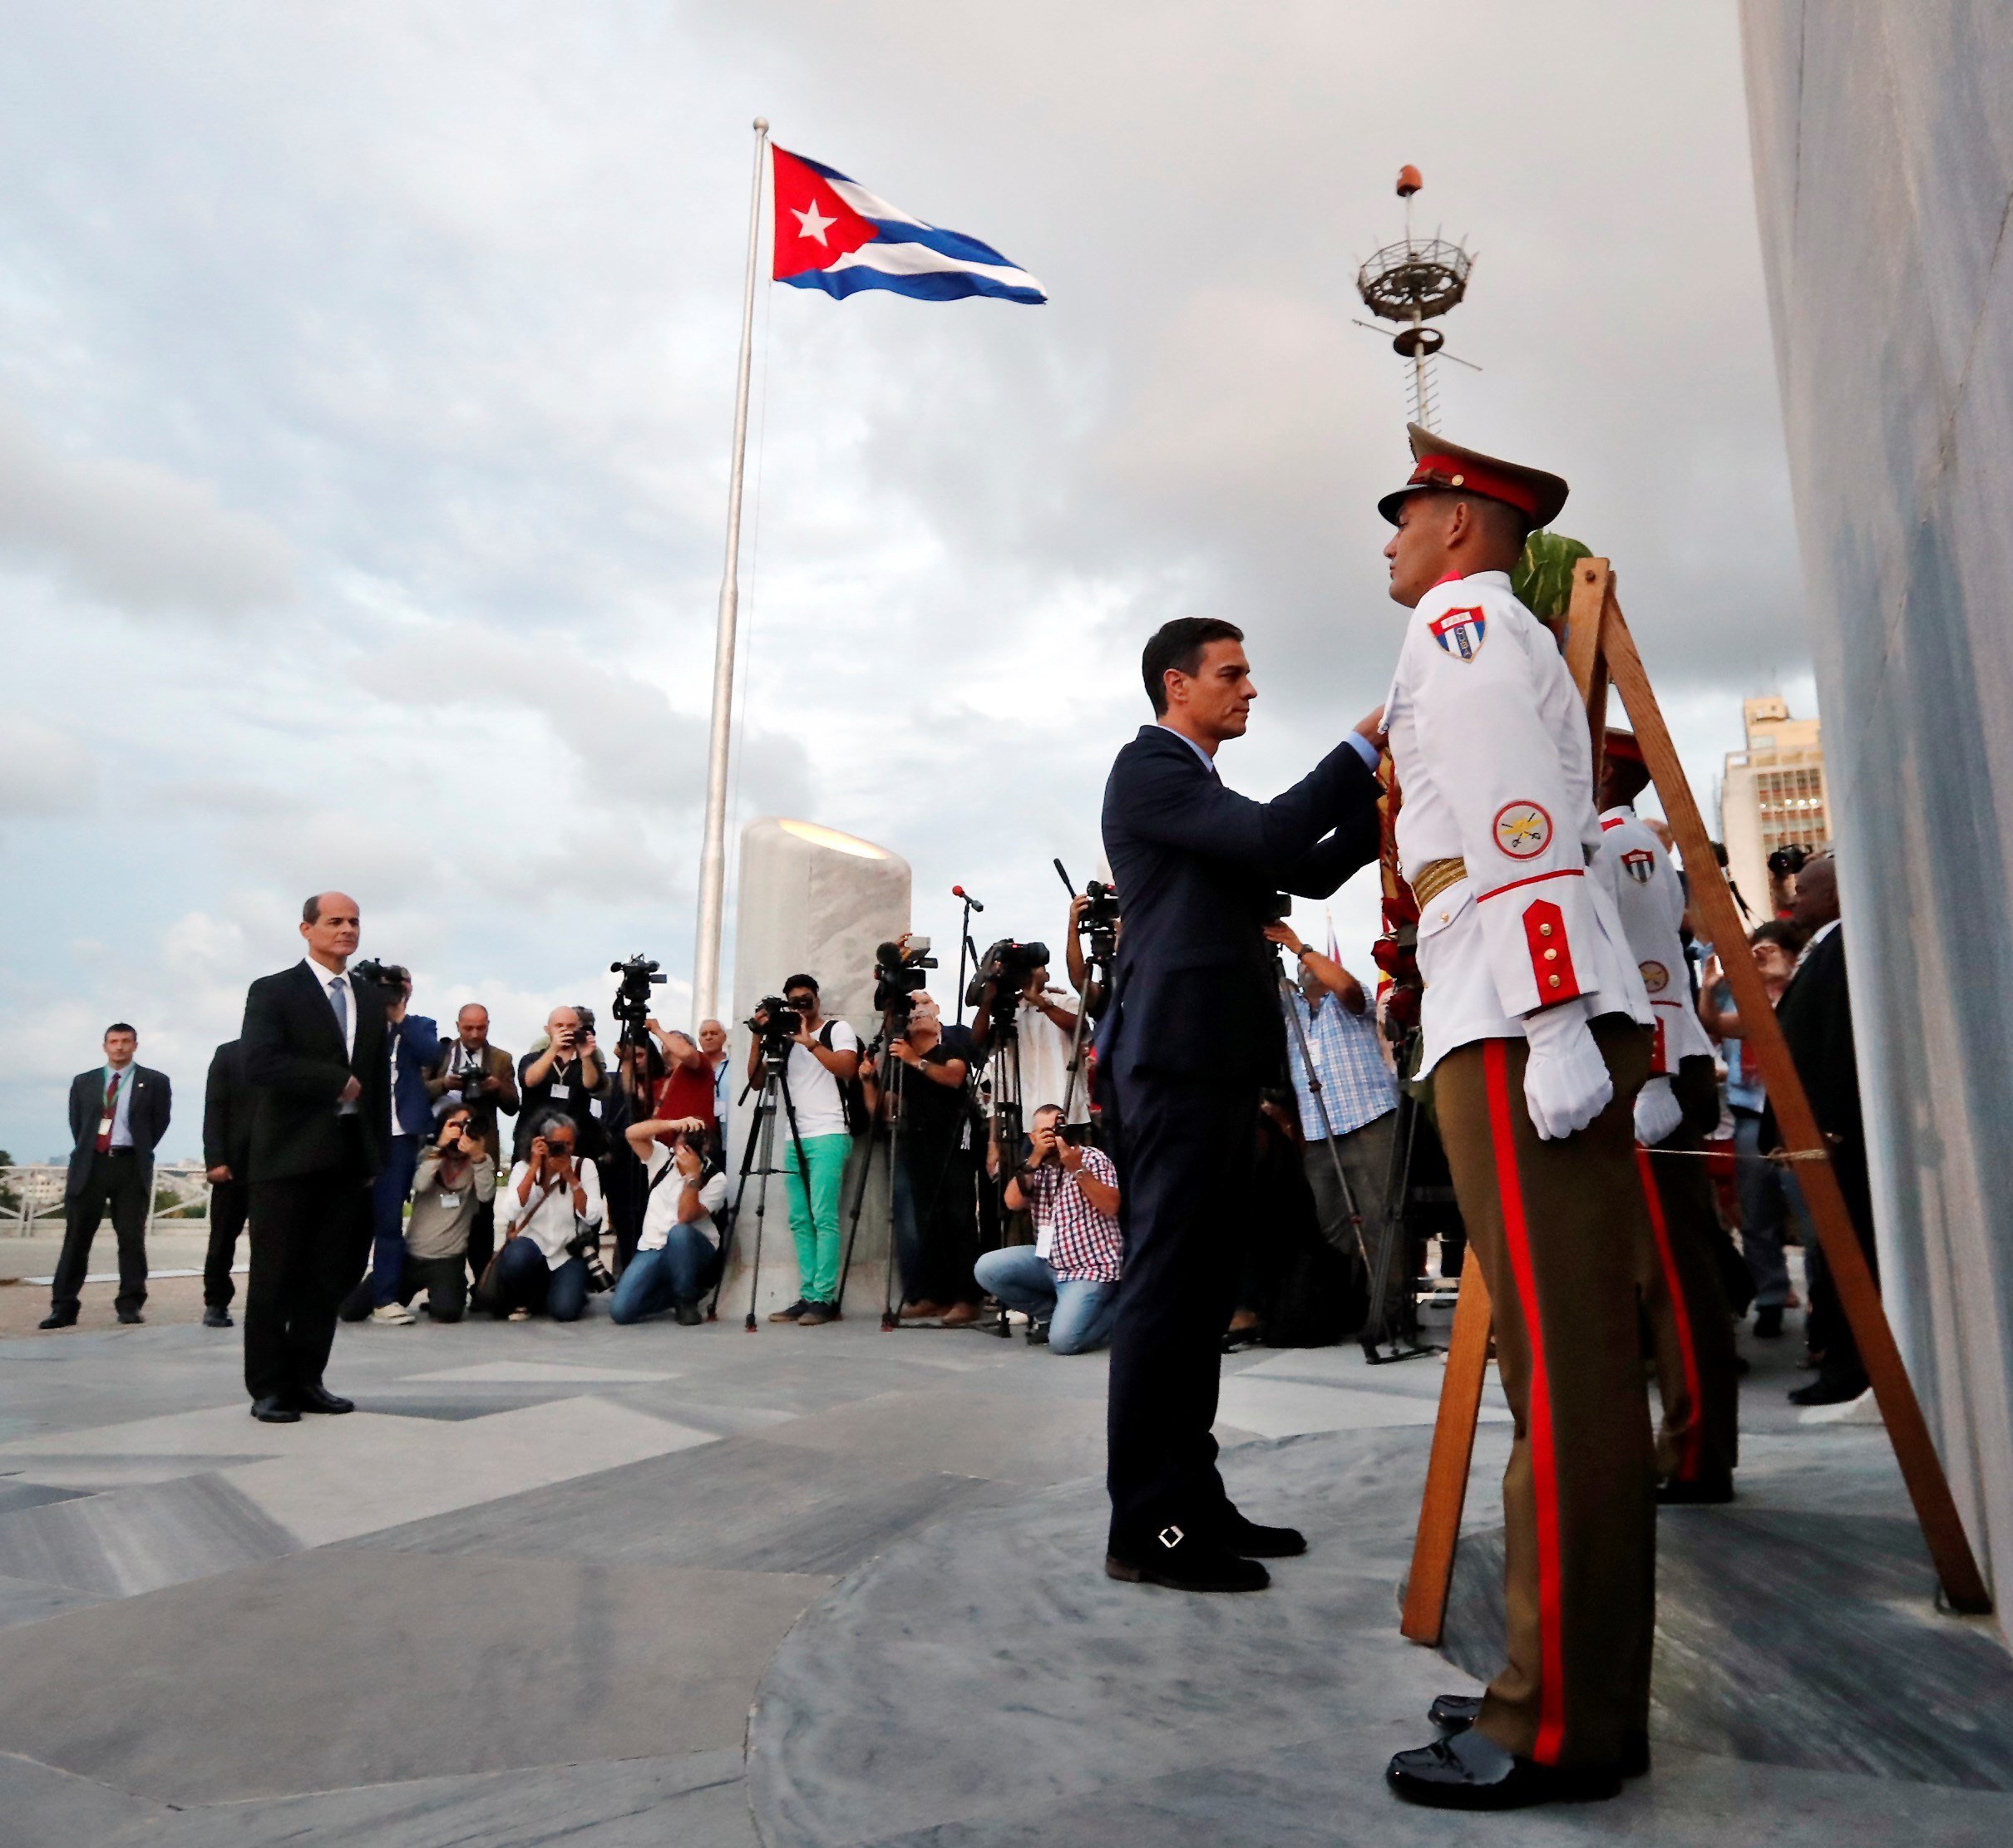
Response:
column 585, row 1244
column 1099, row 924
column 393, row 976
column 1787, row 862
column 898, row 977
column 632, row 1002
column 1011, row 964
column 774, row 1024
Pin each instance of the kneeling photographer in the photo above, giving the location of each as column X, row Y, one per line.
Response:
column 552, row 1221
column 678, row 1254
column 937, row 1231
column 824, row 1055
column 456, row 1181
column 1067, row 1281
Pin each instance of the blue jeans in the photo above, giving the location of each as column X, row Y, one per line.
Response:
column 389, row 1193
column 521, row 1280
column 1080, row 1314
column 676, row 1272
column 1766, row 1204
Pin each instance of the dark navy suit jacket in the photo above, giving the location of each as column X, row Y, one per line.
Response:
column 1195, row 986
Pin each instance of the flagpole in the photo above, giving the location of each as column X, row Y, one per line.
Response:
column 713, row 858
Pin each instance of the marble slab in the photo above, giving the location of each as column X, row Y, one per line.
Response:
column 1289, row 1408
column 539, row 1373
column 333, row 1669
column 25, row 1601
column 960, row 1430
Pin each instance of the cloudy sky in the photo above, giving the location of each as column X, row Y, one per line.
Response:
column 366, row 380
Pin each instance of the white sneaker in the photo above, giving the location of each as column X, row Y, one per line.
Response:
column 519, row 1315
column 393, row 1315
column 1865, row 1410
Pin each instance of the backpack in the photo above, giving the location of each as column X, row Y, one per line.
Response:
column 852, row 1093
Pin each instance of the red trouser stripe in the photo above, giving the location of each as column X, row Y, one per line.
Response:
column 1544, row 1459
column 1680, row 1314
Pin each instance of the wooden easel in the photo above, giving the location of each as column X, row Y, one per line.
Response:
column 1600, row 651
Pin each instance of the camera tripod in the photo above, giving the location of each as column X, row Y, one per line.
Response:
column 1376, row 1262
column 892, row 1078
column 757, row 1159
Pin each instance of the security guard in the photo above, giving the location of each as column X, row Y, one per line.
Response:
column 1677, row 1272
column 1534, row 1022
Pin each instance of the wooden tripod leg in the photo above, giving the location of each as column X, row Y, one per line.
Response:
column 1453, row 1447
column 1914, row 1449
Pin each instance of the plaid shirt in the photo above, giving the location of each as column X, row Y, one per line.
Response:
column 1356, row 1084
column 1080, row 1243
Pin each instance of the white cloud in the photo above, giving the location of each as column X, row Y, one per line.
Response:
column 44, row 771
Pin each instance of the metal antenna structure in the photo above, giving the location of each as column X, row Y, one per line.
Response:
column 1412, row 283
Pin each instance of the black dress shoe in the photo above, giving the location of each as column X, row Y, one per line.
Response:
column 1183, row 1561
column 1455, row 1713
column 1468, row 1771
column 58, row 1319
column 132, row 1317
column 217, row 1318
column 1768, row 1322
column 320, row 1398
column 1710, row 1491
column 1250, row 1541
column 1828, row 1389
column 273, row 1411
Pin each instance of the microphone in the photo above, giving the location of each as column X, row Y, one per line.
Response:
column 958, row 892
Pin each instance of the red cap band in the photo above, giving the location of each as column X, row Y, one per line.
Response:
column 1447, row 472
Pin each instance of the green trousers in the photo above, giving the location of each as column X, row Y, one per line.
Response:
column 814, row 1218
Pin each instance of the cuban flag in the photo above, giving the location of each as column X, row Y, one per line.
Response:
column 836, row 236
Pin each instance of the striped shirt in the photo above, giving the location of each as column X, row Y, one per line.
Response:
column 1356, row 1085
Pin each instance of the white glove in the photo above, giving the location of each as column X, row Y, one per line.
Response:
column 1566, row 1083
column 1658, row 1113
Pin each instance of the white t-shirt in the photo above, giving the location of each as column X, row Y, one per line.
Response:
column 1044, row 1061
column 660, row 1215
column 813, row 1090
column 546, row 1218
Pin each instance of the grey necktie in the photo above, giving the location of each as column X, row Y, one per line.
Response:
column 338, row 998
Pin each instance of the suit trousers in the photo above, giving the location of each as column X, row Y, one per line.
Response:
column 389, row 1192
column 311, row 1235
column 1185, row 1153
column 1555, row 1227
column 117, row 1182
column 228, row 1202
column 1691, row 1325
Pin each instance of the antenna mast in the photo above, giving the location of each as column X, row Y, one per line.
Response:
column 1411, row 283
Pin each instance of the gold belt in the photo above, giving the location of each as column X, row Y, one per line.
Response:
column 1435, row 876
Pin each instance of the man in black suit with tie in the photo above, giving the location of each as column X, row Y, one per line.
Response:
column 228, row 1104
column 314, row 1052
column 1193, row 1031
column 118, row 1113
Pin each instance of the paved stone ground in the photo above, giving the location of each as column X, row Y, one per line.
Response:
column 529, row 1591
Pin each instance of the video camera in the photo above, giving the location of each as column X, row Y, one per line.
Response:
column 1787, row 862
column 1098, row 926
column 898, row 977
column 1009, row 964
column 774, row 1024
column 393, row 976
column 632, row 1002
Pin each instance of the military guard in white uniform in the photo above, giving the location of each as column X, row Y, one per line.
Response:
column 1677, row 1275
column 1536, row 1035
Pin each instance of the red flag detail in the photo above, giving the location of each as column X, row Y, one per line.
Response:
column 813, row 225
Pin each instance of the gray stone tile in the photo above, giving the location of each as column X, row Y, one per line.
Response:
column 24, row 1601
column 961, row 1428
column 698, row 1801
column 41, row 1806
column 342, row 1667
column 134, row 1540
column 15, row 1495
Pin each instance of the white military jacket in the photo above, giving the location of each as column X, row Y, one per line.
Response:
column 1652, row 900
column 1497, row 833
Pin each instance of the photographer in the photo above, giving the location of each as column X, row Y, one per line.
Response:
column 933, row 1203
column 552, row 1205
column 1067, row 1281
column 482, row 1079
column 688, row 1086
column 413, row 1044
column 1046, row 1026
column 565, row 1075
column 455, row 1181
column 632, row 1097
column 677, row 1256
column 824, row 1054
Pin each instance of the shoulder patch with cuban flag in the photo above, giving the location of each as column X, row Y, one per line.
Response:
column 1638, row 863
column 1459, row 633
column 1522, row 829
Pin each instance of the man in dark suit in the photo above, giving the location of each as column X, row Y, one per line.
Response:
column 314, row 1051
column 229, row 1102
column 118, row 1113
column 1193, row 1031
column 1816, row 1016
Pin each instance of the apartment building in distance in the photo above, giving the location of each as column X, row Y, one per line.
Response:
column 1771, row 795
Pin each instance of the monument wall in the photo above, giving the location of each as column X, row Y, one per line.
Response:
column 1883, row 142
